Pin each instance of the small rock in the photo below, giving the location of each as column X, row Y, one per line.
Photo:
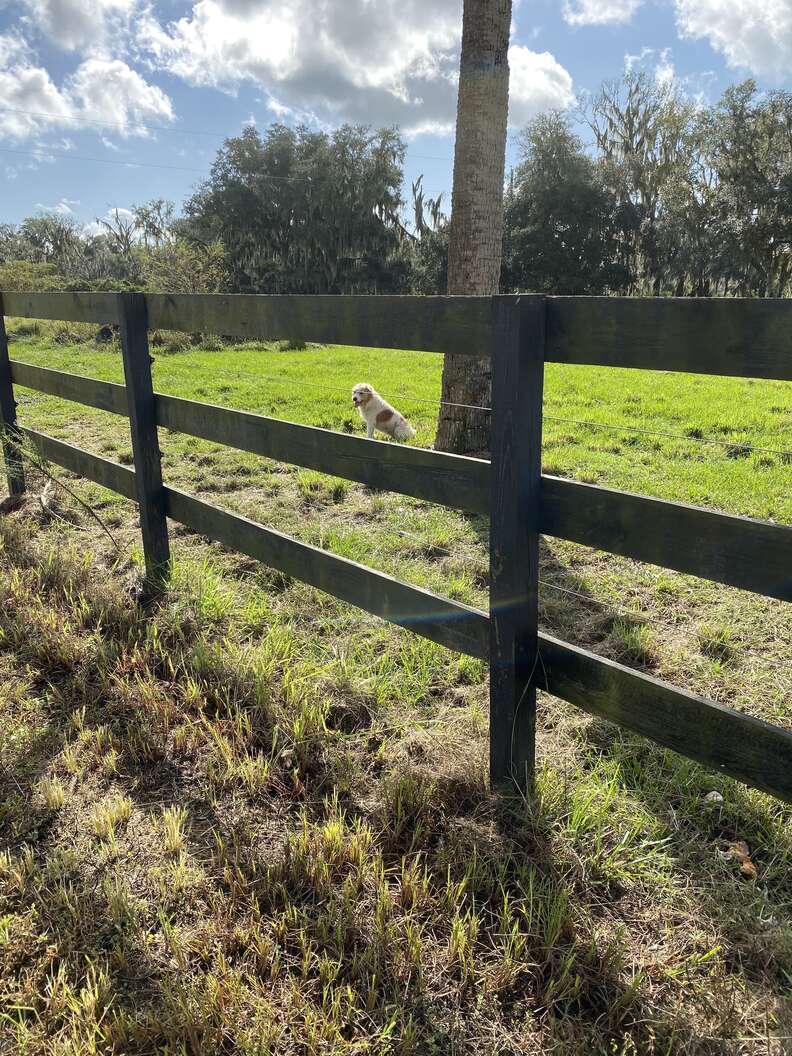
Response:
column 713, row 799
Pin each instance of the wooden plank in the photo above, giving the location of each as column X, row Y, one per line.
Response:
column 145, row 443
column 99, row 308
column 105, row 395
column 743, row 747
column 9, row 434
column 728, row 336
column 738, row 551
column 516, row 442
column 451, row 480
column 461, row 325
column 102, row 471
column 449, row 623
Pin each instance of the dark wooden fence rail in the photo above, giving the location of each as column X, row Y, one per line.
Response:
column 744, row 338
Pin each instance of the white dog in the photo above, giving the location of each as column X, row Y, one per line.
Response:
column 377, row 414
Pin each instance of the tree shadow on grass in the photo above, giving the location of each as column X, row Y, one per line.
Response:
column 749, row 913
column 264, row 914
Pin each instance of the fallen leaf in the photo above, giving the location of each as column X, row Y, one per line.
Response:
column 747, row 868
column 739, row 849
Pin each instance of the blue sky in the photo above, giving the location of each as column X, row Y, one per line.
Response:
column 87, row 86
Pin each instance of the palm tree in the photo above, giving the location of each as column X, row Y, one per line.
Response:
column 474, row 255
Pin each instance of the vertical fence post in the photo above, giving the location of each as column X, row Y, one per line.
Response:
column 8, row 420
column 516, row 450
column 145, row 441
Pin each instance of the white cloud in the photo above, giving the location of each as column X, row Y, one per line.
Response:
column 113, row 215
column 62, row 208
column 110, row 93
column 393, row 61
column 657, row 62
column 13, row 49
column 536, row 83
column 78, row 24
column 755, row 35
column 599, row 12
column 101, row 93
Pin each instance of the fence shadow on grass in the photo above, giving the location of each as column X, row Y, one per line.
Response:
column 571, row 988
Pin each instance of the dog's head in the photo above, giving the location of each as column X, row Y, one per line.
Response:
column 361, row 394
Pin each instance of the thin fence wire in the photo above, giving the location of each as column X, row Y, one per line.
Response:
column 740, row 445
column 600, row 603
column 736, row 445
column 436, row 401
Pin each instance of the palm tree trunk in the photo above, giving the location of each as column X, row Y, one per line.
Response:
column 475, row 247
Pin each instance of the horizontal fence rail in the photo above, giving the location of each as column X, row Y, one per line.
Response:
column 103, row 395
column 450, row 480
column 726, row 336
column 718, row 337
column 449, row 623
column 461, row 325
column 736, row 744
column 110, row 475
column 698, row 335
column 102, row 308
column 736, row 551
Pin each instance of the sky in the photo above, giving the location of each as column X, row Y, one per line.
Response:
column 88, row 87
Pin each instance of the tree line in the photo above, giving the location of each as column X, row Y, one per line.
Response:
column 643, row 191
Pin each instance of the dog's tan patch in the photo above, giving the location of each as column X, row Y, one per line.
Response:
column 385, row 416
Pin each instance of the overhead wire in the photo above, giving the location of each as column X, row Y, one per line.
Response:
column 101, row 122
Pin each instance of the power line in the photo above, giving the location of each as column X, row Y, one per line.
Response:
column 112, row 124
column 47, row 154
column 102, row 123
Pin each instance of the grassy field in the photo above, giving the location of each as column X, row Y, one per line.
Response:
column 255, row 820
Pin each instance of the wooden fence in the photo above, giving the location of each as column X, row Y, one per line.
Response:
column 727, row 337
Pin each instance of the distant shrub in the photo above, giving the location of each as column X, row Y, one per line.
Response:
column 184, row 267
column 32, row 277
column 170, row 342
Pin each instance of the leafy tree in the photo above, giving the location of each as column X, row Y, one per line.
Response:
column 644, row 132
column 51, row 239
column 30, row 276
column 562, row 219
column 180, row 266
column 749, row 146
column 155, row 222
column 306, row 212
column 428, row 243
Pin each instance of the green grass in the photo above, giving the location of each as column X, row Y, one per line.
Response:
column 255, row 820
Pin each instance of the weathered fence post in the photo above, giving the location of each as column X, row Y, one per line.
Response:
column 8, row 420
column 145, row 442
column 516, row 450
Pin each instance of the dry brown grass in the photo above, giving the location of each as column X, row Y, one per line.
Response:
column 283, row 856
